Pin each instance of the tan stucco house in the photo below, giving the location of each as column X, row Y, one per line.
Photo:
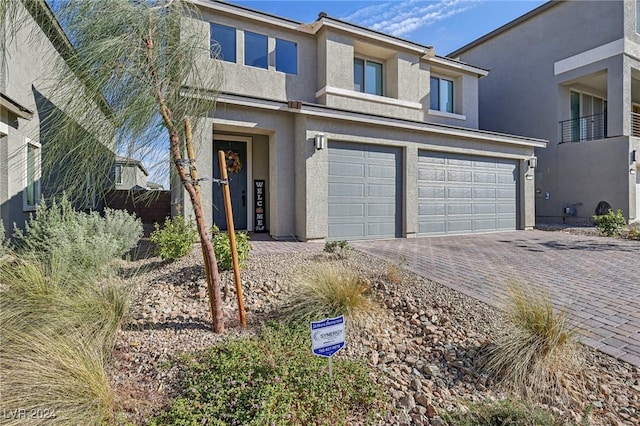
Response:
column 340, row 132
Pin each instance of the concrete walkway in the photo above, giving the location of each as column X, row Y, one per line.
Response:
column 596, row 278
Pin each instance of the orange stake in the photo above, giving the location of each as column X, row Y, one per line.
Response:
column 232, row 236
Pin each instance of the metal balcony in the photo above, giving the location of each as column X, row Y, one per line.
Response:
column 587, row 128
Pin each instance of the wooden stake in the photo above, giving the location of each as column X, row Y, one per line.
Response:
column 222, row 157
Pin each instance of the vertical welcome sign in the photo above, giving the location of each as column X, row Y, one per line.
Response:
column 259, row 206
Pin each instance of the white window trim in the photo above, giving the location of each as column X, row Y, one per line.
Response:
column 38, row 175
column 447, row 114
column 328, row 90
column 118, row 181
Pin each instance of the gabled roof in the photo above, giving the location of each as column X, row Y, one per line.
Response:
column 130, row 161
column 506, row 27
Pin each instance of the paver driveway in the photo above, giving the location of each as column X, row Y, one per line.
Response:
column 596, row 278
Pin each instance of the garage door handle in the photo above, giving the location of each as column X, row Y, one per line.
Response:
column 244, row 198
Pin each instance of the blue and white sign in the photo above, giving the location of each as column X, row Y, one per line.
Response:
column 327, row 336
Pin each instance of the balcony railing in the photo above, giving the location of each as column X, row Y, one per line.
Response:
column 586, row 128
column 635, row 124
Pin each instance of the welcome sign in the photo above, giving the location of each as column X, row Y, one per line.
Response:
column 259, row 205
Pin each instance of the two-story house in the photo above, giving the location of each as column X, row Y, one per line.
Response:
column 334, row 131
column 569, row 72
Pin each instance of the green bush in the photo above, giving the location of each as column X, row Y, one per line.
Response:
column 89, row 242
column 340, row 249
column 610, row 224
column 222, row 248
column 272, row 379
column 175, row 239
column 634, row 232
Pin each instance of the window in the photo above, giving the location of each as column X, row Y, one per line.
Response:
column 286, row 56
column 367, row 76
column 31, row 193
column 588, row 117
column 223, row 43
column 255, row 50
column 441, row 97
column 118, row 173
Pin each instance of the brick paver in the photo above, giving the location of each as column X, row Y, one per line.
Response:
column 596, row 278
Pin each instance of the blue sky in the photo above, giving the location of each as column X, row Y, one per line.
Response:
column 444, row 24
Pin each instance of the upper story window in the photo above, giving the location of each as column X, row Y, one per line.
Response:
column 118, row 173
column 441, row 96
column 223, row 42
column 367, row 76
column 256, row 48
column 31, row 193
column 286, row 56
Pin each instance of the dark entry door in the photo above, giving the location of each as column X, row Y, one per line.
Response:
column 237, row 185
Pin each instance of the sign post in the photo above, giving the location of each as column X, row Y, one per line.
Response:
column 327, row 338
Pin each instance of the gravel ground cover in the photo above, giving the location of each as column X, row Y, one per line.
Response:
column 423, row 349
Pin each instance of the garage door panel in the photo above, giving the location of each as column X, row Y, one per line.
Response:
column 479, row 194
column 340, row 189
column 364, row 191
column 346, row 170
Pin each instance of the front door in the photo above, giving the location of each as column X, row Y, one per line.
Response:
column 237, row 165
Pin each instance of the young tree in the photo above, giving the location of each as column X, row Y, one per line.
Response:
column 138, row 56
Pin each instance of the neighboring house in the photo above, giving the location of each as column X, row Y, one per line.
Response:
column 339, row 132
column 34, row 46
column 130, row 174
column 569, row 72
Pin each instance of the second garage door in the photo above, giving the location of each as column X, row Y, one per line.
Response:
column 465, row 194
column 364, row 191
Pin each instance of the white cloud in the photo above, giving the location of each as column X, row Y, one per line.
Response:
column 399, row 18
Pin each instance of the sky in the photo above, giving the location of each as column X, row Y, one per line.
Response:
column 443, row 24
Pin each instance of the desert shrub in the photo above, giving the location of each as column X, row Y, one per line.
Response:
column 610, row 224
column 222, row 248
column 247, row 382
column 633, row 233
column 339, row 249
column 89, row 241
column 58, row 326
column 175, row 239
column 499, row 413
column 329, row 290
column 4, row 244
column 535, row 348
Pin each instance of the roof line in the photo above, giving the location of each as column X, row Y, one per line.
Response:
column 15, row 107
column 506, row 27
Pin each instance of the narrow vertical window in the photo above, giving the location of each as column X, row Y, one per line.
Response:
column 441, row 96
column 31, row 194
column 118, row 173
column 223, row 43
column 286, row 56
column 255, row 50
column 367, row 76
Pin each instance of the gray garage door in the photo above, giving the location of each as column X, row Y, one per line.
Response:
column 465, row 194
column 364, row 191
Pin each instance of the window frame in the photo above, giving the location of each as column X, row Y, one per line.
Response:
column 440, row 79
column 266, row 55
column 295, row 45
column 117, row 176
column 235, row 42
column 35, row 178
column 364, row 75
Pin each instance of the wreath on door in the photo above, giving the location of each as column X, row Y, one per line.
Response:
column 234, row 165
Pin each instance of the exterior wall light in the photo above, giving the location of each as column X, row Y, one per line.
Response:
column 321, row 141
column 533, row 162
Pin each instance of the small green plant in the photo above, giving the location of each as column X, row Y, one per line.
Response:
column 329, row 290
column 248, row 382
column 222, row 248
column 340, row 249
column 175, row 239
column 499, row 413
column 535, row 348
column 610, row 224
